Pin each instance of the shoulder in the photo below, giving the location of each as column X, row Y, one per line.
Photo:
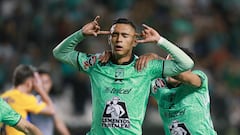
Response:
column 2, row 103
column 9, row 93
column 28, row 98
column 88, row 60
column 89, row 56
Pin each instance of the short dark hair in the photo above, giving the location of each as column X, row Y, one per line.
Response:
column 43, row 71
column 124, row 21
column 22, row 73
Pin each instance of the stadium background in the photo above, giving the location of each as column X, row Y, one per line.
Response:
column 30, row 29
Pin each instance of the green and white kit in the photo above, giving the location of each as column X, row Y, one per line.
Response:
column 119, row 92
column 185, row 109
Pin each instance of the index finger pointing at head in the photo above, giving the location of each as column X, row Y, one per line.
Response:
column 97, row 18
column 104, row 32
column 138, row 34
column 146, row 26
column 168, row 57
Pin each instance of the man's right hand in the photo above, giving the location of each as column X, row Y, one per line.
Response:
column 93, row 28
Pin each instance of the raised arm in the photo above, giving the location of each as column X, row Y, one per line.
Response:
column 65, row 50
column 38, row 87
column 181, row 61
column 189, row 78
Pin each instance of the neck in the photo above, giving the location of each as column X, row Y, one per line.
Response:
column 22, row 88
column 122, row 60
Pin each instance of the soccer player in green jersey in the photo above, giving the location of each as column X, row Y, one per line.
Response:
column 119, row 92
column 183, row 100
column 10, row 117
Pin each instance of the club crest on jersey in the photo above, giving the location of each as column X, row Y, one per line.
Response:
column 177, row 128
column 115, row 114
column 119, row 75
column 89, row 62
column 158, row 83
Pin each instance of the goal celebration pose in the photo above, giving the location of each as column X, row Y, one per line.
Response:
column 119, row 92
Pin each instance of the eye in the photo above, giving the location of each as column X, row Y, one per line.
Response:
column 114, row 34
column 125, row 35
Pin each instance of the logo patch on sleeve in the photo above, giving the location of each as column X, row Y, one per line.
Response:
column 89, row 62
column 158, row 83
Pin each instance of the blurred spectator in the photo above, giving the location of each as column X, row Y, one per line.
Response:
column 48, row 124
column 20, row 98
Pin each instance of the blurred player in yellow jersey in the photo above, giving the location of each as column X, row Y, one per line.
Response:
column 25, row 79
column 10, row 117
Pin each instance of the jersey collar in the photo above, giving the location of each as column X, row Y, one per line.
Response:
column 125, row 63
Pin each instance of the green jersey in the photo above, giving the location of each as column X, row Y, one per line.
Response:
column 185, row 109
column 119, row 95
column 119, row 92
column 7, row 115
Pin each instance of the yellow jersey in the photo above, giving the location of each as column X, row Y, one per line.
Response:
column 22, row 103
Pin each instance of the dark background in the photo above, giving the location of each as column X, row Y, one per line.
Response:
column 30, row 29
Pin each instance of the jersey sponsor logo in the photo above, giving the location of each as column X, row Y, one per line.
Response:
column 171, row 114
column 115, row 114
column 158, row 83
column 118, row 90
column 119, row 75
column 89, row 62
column 177, row 128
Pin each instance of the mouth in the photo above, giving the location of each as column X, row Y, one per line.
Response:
column 118, row 48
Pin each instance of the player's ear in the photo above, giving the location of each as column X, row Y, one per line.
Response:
column 135, row 42
column 137, row 36
column 29, row 83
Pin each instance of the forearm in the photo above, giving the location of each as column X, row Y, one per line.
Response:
column 181, row 61
column 27, row 128
column 65, row 50
column 46, row 99
column 34, row 131
column 60, row 126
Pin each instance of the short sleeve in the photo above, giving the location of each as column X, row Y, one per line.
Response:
column 33, row 105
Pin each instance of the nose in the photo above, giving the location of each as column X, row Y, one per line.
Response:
column 119, row 38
